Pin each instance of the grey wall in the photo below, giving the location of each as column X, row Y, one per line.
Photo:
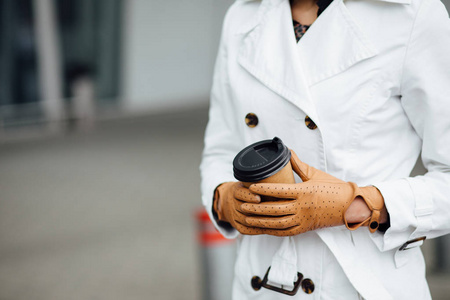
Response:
column 169, row 52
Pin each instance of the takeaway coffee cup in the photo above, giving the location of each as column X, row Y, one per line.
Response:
column 265, row 161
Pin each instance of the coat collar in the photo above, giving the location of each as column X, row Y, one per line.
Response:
column 392, row 1
column 332, row 44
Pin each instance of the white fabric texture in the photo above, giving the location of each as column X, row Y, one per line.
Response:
column 284, row 265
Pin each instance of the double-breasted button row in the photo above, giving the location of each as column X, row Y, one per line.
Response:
column 252, row 121
column 307, row 284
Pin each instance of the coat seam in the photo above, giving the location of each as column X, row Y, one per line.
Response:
column 358, row 121
column 408, row 46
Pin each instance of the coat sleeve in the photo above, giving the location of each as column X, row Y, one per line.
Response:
column 420, row 206
column 221, row 135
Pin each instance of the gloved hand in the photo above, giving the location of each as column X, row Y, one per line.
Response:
column 228, row 198
column 321, row 200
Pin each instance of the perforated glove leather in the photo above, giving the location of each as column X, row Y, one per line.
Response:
column 228, row 198
column 319, row 201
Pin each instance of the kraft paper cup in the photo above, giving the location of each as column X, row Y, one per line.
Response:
column 266, row 161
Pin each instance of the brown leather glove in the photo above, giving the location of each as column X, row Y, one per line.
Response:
column 319, row 201
column 228, row 198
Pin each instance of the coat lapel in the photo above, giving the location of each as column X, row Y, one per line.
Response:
column 331, row 45
column 269, row 52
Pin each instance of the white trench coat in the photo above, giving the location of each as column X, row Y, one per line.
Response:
column 374, row 76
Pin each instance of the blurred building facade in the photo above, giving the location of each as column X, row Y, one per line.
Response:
column 126, row 56
column 69, row 59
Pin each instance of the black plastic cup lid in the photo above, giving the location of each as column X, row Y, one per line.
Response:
column 261, row 160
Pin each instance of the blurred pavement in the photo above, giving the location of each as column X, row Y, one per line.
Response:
column 103, row 215
column 108, row 214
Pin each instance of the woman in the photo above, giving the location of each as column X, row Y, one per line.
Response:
column 358, row 94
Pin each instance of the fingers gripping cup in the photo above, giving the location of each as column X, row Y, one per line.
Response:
column 264, row 161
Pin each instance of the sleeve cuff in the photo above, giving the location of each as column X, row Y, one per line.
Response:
column 399, row 199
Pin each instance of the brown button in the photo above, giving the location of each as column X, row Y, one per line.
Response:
column 251, row 120
column 310, row 123
column 308, row 286
column 256, row 283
